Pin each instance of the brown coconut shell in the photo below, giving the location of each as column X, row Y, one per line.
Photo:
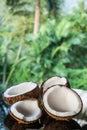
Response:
column 25, row 124
column 13, row 124
column 22, row 121
column 37, row 123
column 43, row 89
column 58, row 117
column 34, row 93
column 62, row 125
column 61, row 118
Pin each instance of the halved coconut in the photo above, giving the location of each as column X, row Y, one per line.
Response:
column 26, row 111
column 61, row 103
column 53, row 81
column 13, row 124
column 21, row 91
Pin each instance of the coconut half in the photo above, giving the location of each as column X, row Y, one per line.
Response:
column 21, row 91
column 61, row 103
column 26, row 111
column 53, row 81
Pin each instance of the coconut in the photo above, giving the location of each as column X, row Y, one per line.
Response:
column 12, row 123
column 61, row 103
column 53, row 81
column 21, row 91
column 26, row 111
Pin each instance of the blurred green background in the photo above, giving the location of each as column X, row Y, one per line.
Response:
column 39, row 39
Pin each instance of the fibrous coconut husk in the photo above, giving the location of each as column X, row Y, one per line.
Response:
column 53, row 81
column 34, row 93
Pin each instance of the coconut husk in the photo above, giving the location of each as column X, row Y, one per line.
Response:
column 21, row 121
column 31, row 94
column 23, row 108
column 42, row 91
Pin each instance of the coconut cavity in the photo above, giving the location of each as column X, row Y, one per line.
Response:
column 53, row 81
column 26, row 110
column 20, row 89
column 62, row 101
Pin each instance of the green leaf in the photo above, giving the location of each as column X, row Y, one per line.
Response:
column 54, row 51
column 63, row 29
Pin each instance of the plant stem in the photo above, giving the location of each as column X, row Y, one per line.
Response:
column 4, row 69
column 14, row 65
column 37, row 17
column 12, row 70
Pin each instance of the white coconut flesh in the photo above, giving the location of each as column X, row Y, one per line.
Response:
column 62, row 101
column 27, row 110
column 53, row 81
column 20, row 89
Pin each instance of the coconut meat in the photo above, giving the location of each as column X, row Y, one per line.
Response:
column 53, row 81
column 20, row 89
column 27, row 110
column 62, row 101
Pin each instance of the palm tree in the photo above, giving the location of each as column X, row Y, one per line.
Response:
column 52, row 6
column 37, row 17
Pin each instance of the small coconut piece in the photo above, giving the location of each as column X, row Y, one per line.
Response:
column 62, row 125
column 26, row 111
column 53, row 81
column 61, row 103
column 21, row 91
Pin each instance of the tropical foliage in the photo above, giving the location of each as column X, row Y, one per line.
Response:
column 60, row 48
